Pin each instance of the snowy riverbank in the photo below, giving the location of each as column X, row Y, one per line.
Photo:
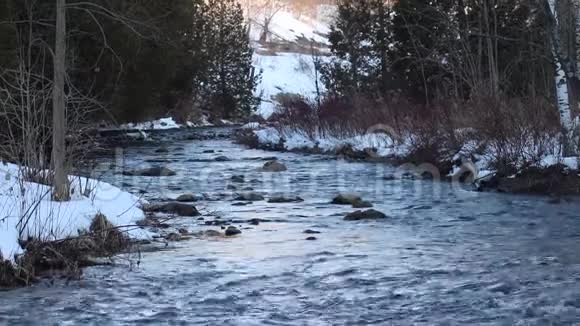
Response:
column 385, row 147
column 26, row 210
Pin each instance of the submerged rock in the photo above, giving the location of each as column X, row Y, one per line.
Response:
column 162, row 149
column 274, row 166
column 232, row 230
column 209, row 151
column 311, row 232
column 179, row 209
column 152, row 172
column 280, row 200
column 311, row 238
column 370, row 214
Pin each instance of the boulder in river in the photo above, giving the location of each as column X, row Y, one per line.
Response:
column 281, row 200
column 209, row 151
column 274, row 166
column 311, row 232
column 370, row 214
column 311, row 239
column 232, row 230
column 346, row 199
column 250, row 196
column 187, row 198
column 179, row 209
column 152, row 172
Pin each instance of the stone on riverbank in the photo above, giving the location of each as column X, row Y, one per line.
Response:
column 370, row 214
column 151, row 172
column 274, row 166
column 179, row 209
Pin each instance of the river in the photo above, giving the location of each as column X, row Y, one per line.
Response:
column 445, row 256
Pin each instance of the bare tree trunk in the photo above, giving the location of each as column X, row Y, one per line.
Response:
column 61, row 186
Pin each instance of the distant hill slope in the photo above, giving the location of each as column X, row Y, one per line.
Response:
column 285, row 60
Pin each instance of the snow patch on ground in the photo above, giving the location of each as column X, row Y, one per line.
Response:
column 49, row 220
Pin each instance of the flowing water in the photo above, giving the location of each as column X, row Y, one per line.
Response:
column 446, row 255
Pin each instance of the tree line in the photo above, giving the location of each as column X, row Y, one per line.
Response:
column 460, row 50
column 137, row 59
column 67, row 64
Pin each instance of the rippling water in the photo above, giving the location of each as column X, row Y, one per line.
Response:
column 446, row 255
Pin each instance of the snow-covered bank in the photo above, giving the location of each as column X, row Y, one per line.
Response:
column 384, row 145
column 26, row 209
column 397, row 149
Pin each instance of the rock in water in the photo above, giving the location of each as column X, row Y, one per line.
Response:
column 311, row 238
column 173, row 208
column 186, row 198
column 346, row 199
column 151, row 172
column 274, row 166
column 250, row 196
column 311, row 232
column 232, row 230
column 370, row 214
column 280, row 200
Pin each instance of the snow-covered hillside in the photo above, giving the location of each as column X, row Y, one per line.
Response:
column 285, row 26
column 284, row 73
column 290, row 68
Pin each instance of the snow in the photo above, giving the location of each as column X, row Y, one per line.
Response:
column 285, row 26
column 49, row 220
column 385, row 145
column 285, row 73
column 160, row 124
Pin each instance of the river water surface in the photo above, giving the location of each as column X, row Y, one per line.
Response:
column 446, row 255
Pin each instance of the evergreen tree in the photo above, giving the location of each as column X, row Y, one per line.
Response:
column 360, row 39
column 230, row 79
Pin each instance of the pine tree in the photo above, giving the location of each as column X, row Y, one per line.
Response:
column 360, row 39
column 230, row 81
